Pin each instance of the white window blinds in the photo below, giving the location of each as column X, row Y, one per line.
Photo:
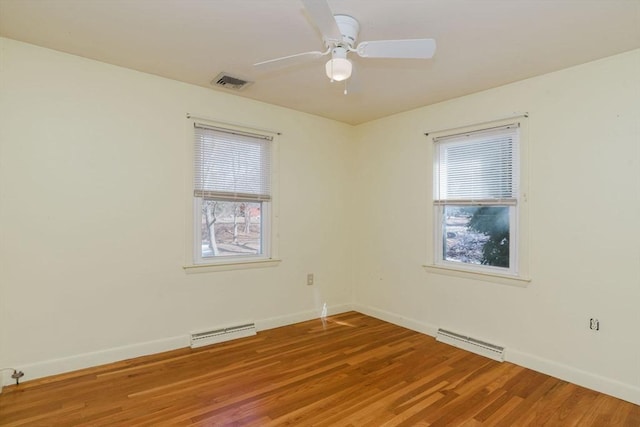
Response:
column 478, row 167
column 231, row 165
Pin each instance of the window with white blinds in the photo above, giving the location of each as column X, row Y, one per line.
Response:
column 232, row 196
column 475, row 197
column 477, row 167
column 231, row 165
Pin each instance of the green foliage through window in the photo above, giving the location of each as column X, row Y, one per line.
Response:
column 494, row 223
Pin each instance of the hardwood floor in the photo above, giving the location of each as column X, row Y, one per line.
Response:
column 350, row 370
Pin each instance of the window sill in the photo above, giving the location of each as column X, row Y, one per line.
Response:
column 488, row 277
column 231, row 265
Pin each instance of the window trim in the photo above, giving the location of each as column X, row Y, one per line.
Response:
column 194, row 263
column 519, row 273
column 228, row 266
column 521, row 281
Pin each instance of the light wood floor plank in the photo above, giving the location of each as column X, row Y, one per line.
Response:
column 346, row 370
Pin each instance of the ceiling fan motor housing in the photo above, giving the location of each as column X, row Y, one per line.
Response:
column 349, row 28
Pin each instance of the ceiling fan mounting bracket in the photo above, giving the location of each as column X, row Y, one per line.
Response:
column 349, row 28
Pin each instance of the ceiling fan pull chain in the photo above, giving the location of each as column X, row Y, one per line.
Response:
column 331, row 78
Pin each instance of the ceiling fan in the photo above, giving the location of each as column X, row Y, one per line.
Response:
column 339, row 34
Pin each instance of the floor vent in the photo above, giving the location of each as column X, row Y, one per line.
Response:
column 199, row 339
column 473, row 345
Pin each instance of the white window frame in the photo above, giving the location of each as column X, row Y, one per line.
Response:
column 268, row 258
column 518, row 271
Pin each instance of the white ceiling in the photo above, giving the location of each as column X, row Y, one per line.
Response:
column 481, row 44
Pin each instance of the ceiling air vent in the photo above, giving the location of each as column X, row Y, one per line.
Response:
column 229, row 82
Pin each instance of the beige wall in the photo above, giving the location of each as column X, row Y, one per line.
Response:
column 94, row 206
column 584, row 205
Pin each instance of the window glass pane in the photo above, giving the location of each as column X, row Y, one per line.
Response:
column 231, row 228
column 476, row 235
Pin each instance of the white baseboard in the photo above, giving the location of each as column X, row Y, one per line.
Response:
column 87, row 360
column 396, row 319
column 302, row 316
column 585, row 379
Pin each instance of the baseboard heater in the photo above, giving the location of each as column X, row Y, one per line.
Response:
column 473, row 345
column 214, row 336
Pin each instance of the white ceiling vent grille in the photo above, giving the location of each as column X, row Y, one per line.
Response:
column 473, row 345
column 199, row 339
column 230, row 82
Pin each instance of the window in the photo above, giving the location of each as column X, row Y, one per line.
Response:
column 476, row 200
column 232, row 195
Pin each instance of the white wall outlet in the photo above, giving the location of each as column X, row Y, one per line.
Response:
column 594, row 324
column 310, row 279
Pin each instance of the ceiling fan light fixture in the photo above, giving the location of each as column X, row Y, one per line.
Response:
column 338, row 69
column 340, row 34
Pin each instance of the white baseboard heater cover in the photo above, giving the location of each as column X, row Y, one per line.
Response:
column 473, row 345
column 200, row 339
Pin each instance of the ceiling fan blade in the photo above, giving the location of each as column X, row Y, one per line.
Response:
column 410, row 49
column 322, row 16
column 286, row 61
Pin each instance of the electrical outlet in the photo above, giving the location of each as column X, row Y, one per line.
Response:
column 594, row 324
column 310, row 279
